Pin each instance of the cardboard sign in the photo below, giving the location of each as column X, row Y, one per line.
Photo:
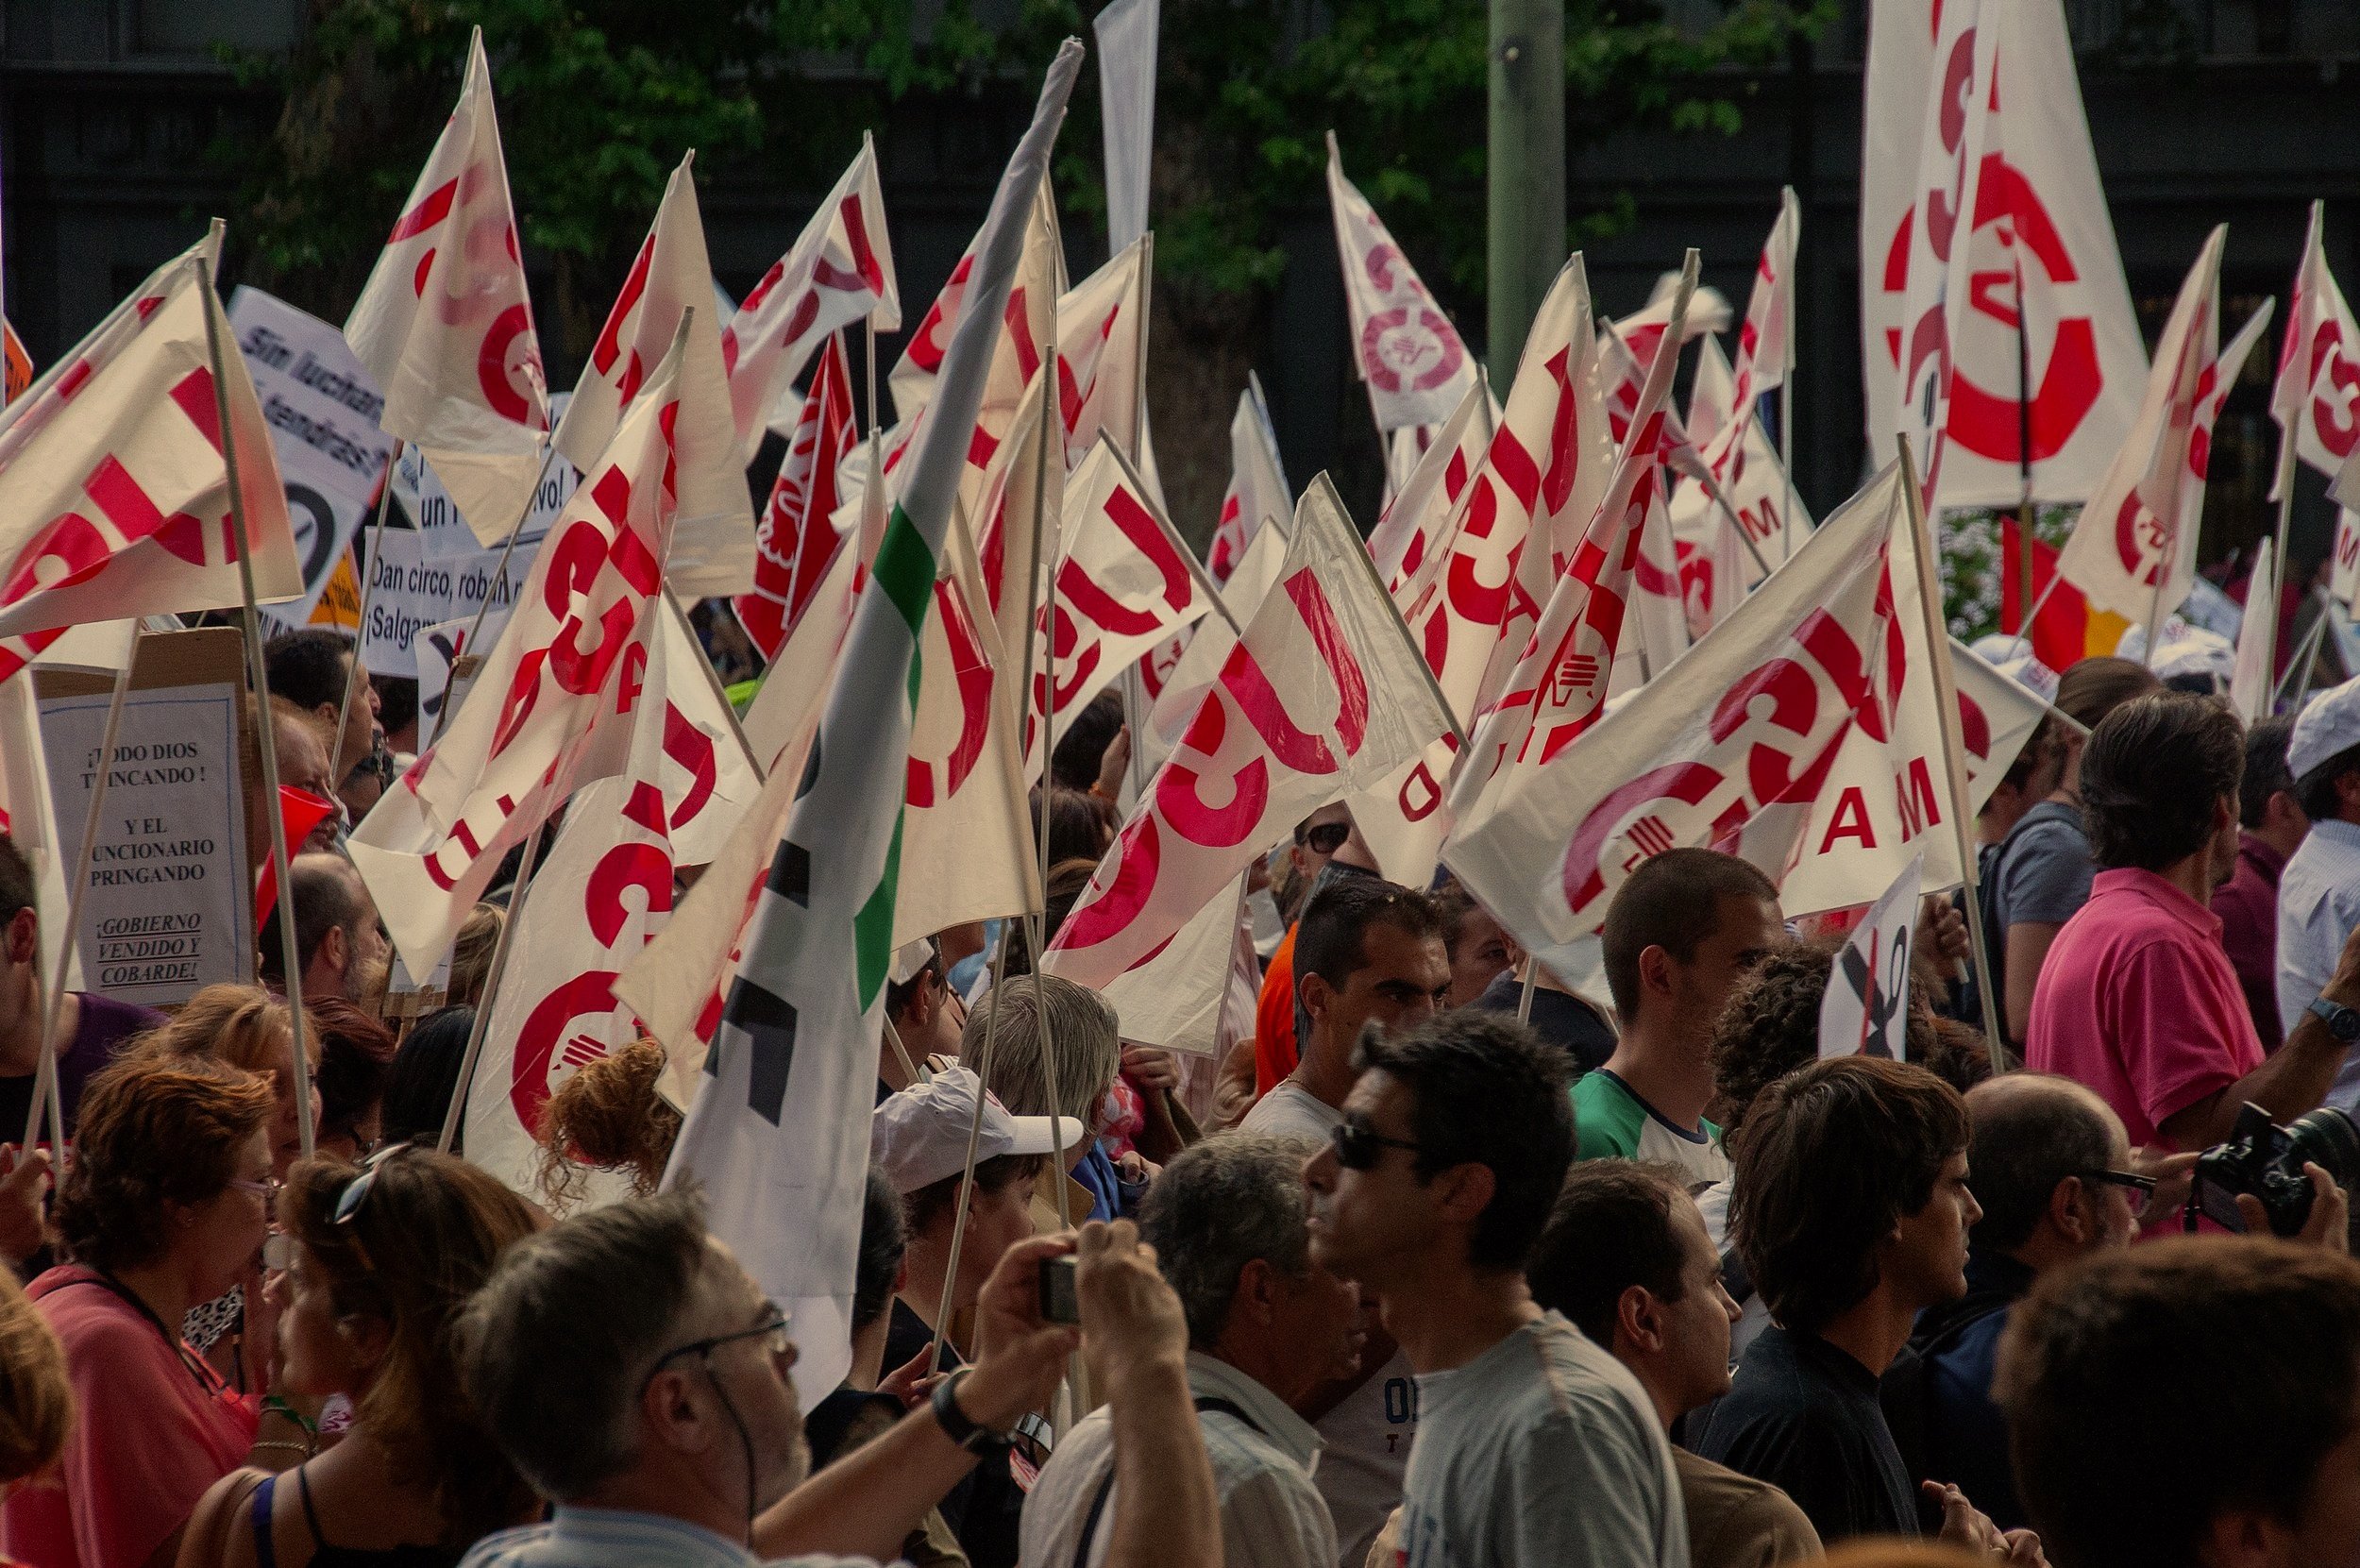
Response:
column 169, row 908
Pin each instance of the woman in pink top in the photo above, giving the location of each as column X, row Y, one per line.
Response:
column 166, row 1201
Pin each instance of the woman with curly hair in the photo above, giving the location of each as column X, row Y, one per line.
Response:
column 379, row 1260
column 165, row 1201
column 607, row 1117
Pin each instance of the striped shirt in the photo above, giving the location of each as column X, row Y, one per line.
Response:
column 1271, row 1513
column 605, row 1538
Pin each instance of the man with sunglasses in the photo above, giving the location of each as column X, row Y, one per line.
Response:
column 631, row 1368
column 2053, row 1174
column 1534, row 1445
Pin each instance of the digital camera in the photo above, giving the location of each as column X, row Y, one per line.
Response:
column 2266, row 1160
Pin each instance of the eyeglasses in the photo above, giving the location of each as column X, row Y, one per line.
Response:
column 1326, row 838
column 2144, row 1186
column 357, row 1192
column 1359, row 1146
column 771, row 1330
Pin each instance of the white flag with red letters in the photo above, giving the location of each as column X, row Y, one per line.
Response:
column 795, row 538
column 552, row 705
column 1322, row 696
column 1100, row 348
column 1257, row 492
column 712, row 537
column 114, row 491
column 2136, row 538
column 2316, row 391
column 1403, row 345
column 839, row 270
column 445, row 321
column 1747, row 732
column 1125, row 582
column 2041, row 245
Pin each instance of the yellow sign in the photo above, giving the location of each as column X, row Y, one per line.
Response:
column 340, row 601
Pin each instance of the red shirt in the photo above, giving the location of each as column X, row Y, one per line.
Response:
column 2248, row 906
column 2138, row 1001
column 1275, row 1049
column 154, row 1426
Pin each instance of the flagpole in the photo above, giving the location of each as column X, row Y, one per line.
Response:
column 46, row 1094
column 2286, row 488
column 1786, row 454
column 477, row 1027
column 2166, row 558
column 2023, row 450
column 1954, row 757
column 974, row 1136
column 2305, row 656
column 868, row 334
column 368, row 590
column 1051, row 427
column 1147, row 266
column 265, row 725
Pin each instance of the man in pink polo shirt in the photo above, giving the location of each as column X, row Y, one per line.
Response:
column 2137, row 1000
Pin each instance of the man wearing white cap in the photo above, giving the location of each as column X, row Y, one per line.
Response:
column 2318, row 892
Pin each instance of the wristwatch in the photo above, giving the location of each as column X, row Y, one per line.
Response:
column 2342, row 1021
column 969, row 1435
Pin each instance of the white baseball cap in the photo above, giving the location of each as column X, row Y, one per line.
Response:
column 2329, row 725
column 918, row 1137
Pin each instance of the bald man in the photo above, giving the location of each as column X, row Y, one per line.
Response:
column 2051, row 1165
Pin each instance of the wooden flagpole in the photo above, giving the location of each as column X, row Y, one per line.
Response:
column 264, row 727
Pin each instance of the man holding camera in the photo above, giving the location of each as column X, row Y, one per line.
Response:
column 2137, row 1000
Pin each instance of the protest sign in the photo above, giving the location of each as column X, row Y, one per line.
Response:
column 1865, row 1009
column 169, row 907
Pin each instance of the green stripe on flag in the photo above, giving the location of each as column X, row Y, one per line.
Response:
column 905, row 569
column 872, row 928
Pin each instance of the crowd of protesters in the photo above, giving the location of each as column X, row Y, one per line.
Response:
column 1445, row 1260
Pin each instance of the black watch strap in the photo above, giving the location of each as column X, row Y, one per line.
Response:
column 974, row 1437
column 2342, row 1021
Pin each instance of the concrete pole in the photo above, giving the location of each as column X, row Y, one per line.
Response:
column 1527, row 169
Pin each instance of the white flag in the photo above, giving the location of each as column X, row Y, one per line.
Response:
column 1323, row 695
column 1404, row 346
column 2250, row 681
column 2317, row 393
column 1126, row 108
column 2046, row 248
column 1865, row 1010
column 1102, row 327
column 712, row 537
column 1257, row 492
column 778, row 1134
column 445, row 323
column 839, row 271
column 550, row 706
column 114, row 491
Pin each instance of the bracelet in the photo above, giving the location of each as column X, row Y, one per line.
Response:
column 305, row 1449
column 276, row 1404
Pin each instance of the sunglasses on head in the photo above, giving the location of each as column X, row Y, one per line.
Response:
column 1326, row 837
column 1359, row 1146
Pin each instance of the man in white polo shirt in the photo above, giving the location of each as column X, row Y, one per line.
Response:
column 2318, row 892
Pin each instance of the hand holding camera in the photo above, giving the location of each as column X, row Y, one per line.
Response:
column 2290, row 1181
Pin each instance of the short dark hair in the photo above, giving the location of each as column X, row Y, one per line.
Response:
column 325, row 899
column 1485, row 1090
column 2150, row 775
column 1771, row 1027
column 2250, row 1340
column 1217, row 1206
column 1078, row 824
column 1829, row 1160
column 553, row 1355
column 1611, row 1229
column 1673, row 901
column 2317, row 790
column 2266, row 771
column 1330, row 937
column 921, row 1207
column 2030, row 1133
column 396, row 701
column 18, row 886
column 356, row 1058
column 425, row 1075
column 885, row 1239
column 306, row 667
column 1074, row 762
column 2091, row 689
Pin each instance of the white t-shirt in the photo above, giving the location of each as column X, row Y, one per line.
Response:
column 1289, row 1110
column 1367, row 1442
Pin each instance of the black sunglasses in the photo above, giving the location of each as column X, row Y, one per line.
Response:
column 2144, row 1186
column 1327, row 839
column 1359, row 1146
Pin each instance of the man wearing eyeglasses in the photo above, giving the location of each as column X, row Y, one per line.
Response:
column 1534, row 1444
column 2054, row 1176
column 631, row 1368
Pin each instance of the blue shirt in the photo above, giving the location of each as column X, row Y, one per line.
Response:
column 2319, row 903
column 1958, row 1347
column 605, row 1538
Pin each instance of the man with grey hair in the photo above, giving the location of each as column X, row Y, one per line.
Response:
column 1267, row 1326
column 630, row 1368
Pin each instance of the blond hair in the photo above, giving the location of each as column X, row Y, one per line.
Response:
column 36, row 1401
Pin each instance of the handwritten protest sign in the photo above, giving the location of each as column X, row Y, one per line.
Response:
column 169, row 907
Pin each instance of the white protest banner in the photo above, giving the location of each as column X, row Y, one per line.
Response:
column 1865, row 1009
column 169, row 909
column 437, row 649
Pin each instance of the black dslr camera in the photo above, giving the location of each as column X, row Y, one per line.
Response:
column 2266, row 1160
